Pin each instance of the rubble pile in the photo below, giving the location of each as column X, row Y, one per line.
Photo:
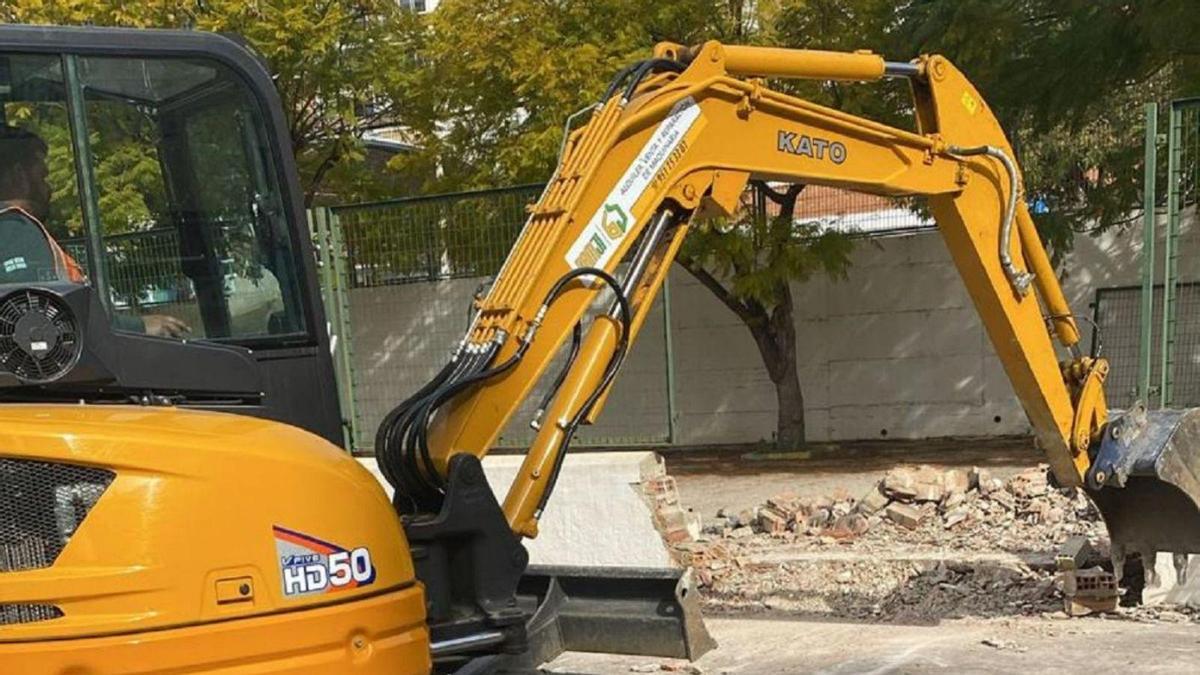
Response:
column 925, row 506
column 922, row 544
column 887, row 590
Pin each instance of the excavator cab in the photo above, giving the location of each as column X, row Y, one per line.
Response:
column 151, row 184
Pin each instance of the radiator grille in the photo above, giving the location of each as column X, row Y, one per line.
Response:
column 11, row 613
column 41, row 506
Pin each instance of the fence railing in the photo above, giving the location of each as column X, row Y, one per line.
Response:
column 1168, row 315
column 143, row 268
column 432, row 238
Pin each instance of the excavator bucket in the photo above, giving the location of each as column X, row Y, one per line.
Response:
column 640, row 611
column 1145, row 479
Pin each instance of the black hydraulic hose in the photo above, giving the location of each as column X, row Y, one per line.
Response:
column 453, row 390
column 618, row 80
column 403, row 440
column 645, row 68
column 576, row 340
column 383, row 443
column 415, row 485
column 420, row 465
column 610, row 372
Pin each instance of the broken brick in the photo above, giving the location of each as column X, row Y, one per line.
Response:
column 874, row 501
column 904, row 514
column 771, row 522
column 956, row 481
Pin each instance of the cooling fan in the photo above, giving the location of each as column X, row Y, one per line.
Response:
column 39, row 336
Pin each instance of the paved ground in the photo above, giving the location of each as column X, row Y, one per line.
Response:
column 765, row 643
column 763, row 646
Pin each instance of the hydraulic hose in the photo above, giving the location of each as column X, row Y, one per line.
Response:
column 1020, row 281
column 402, row 442
column 645, row 68
column 576, row 340
column 610, row 371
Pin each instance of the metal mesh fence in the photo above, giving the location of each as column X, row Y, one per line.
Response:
column 415, row 265
column 853, row 213
column 424, row 239
column 1118, row 316
column 1179, row 325
column 144, row 269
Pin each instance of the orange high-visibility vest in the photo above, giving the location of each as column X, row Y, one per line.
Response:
column 65, row 267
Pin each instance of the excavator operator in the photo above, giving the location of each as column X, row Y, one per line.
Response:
column 29, row 253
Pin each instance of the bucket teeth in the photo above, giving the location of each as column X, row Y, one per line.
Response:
column 1117, row 554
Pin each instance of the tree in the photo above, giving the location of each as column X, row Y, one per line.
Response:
column 1067, row 79
column 342, row 67
column 750, row 267
column 500, row 77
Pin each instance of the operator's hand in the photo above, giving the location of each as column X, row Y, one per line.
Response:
column 161, row 325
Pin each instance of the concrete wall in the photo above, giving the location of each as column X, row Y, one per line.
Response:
column 403, row 335
column 896, row 350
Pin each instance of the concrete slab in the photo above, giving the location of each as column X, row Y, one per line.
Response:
column 597, row 515
column 1169, row 591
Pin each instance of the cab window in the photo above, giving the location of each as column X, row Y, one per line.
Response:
column 36, row 152
column 189, row 206
column 159, row 190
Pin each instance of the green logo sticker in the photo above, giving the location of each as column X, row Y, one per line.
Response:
column 614, row 221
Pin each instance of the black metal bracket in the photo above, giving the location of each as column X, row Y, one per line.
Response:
column 470, row 563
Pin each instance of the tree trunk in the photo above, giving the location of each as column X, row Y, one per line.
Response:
column 775, row 337
column 774, row 332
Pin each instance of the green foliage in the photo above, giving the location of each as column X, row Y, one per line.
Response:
column 1067, row 79
column 756, row 252
column 343, row 67
column 500, row 77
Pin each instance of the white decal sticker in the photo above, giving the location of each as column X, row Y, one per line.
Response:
column 308, row 565
column 607, row 228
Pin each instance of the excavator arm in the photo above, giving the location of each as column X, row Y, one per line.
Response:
column 679, row 136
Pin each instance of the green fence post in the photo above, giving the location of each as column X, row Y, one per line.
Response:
column 1145, row 348
column 1170, row 252
column 670, row 357
column 338, row 325
column 345, row 351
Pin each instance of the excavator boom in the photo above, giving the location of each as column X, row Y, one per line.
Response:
column 679, row 136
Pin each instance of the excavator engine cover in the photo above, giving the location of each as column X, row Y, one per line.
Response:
column 1144, row 481
column 147, row 539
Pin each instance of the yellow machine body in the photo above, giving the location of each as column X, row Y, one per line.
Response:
column 184, row 561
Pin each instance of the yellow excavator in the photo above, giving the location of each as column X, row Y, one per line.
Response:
column 182, row 505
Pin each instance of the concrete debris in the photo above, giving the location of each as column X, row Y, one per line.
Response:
column 997, row 643
column 923, row 544
column 922, row 498
column 873, row 502
column 904, row 514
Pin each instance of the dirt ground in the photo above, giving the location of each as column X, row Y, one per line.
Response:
column 765, row 622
